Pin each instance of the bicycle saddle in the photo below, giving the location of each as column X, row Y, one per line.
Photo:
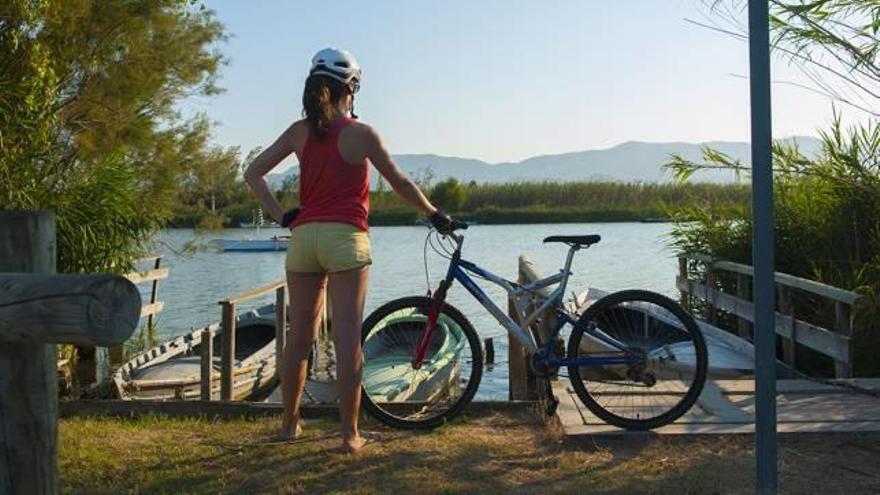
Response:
column 580, row 240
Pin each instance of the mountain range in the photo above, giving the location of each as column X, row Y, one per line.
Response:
column 626, row 162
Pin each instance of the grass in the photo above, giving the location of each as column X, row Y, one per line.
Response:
column 497, row 453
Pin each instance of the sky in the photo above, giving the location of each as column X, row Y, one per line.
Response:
column 500, row 80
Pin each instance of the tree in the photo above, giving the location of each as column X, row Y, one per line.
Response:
column 834, row 43
column 827, row 207
column 449, row 194
column 88, row 120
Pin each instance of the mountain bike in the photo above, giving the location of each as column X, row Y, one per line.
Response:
column 635, row 358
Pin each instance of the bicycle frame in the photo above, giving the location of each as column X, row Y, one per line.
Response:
column 521, row 295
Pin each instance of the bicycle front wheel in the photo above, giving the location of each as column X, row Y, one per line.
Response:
column 660, row 374
column 406, row 395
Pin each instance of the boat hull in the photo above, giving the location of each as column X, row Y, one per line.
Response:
column 253, row 245
column 172, row 370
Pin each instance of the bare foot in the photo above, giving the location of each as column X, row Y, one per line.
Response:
column 355, row 444
column 285, row 435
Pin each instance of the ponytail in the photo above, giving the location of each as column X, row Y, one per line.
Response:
column 320, row 97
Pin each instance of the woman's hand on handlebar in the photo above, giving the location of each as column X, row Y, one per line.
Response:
column 444, row 223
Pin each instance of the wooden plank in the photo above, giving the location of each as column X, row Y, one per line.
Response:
column 229, row 410
column 28, row 382
column 207, row 363
column 228, row 351
column 87, row 310
column 817, row 338
column 148, row 276
column 843, row 324
column 151, row 309
column 259, row 291
column 806, row 285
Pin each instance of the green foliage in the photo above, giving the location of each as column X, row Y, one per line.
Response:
column 88, row 125
column 827, row 224
column 448, row 195
column 834, row 43
column 541, row 202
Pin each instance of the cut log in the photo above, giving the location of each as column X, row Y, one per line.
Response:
column 88, row 310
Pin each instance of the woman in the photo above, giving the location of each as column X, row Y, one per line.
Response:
column 329, row 229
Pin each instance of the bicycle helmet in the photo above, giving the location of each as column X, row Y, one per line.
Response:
column 338, row 64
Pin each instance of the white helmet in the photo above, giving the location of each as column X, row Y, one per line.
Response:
column 338, row 64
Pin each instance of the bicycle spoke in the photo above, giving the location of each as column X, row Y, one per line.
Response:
column 660, row 381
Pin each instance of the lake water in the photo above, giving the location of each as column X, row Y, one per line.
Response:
column 631, row 255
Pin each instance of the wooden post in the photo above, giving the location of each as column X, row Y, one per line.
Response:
column 280, row 327
column 711, row 293
column 743, row 326
column 28, row 385
column 154, row 293
column 786, row 307
column 517, row 364
column 490, row 350
column 843, row 324
column 683, row 276
column 207, row 348
column 228, row 352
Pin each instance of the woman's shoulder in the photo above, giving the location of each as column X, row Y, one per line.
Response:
column 361, row 130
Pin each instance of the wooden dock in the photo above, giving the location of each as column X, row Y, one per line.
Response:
column 728, row 407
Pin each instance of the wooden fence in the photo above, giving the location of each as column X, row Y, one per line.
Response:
column 39, row 309
column 94, row 362
column 153, row 306
column 706, row 285
column 227, row 340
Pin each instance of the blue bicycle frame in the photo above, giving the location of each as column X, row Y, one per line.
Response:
column 524, row 295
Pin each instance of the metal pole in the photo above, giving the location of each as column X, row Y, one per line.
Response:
column 762, row 247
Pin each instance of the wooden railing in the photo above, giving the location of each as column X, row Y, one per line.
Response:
column 39, row 309
column 227, row 341
column 154, row 275
column 834, row 342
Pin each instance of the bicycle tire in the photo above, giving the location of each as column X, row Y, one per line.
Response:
column 688, row 325
column 451, row 410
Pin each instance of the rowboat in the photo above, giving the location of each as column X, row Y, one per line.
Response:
column 172, row 370
column 388, row 375
column 729, row 356
column 275, row 243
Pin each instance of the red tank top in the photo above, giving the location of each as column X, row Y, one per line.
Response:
column 330, row 188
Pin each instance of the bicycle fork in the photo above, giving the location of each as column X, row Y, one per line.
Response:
column 433, row 315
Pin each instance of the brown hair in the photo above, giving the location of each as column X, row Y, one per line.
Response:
column 320, row 97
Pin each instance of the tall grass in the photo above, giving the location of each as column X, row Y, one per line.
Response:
column 827, row 227
column 536, row 202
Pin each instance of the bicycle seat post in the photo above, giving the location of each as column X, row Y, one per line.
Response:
column 572, row 248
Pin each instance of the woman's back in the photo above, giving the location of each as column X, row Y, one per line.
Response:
column 334, row 177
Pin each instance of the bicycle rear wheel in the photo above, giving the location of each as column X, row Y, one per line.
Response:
column 666, row 364
column 406, row 396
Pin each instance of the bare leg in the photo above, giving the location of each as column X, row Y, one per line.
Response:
column 347, row 291
column 306, row 306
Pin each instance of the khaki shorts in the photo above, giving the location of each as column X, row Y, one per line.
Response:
column 327, row 247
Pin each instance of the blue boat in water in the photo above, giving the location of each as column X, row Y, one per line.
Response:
column 275, row 243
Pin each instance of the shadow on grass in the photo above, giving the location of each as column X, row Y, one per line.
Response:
column 499, row 453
